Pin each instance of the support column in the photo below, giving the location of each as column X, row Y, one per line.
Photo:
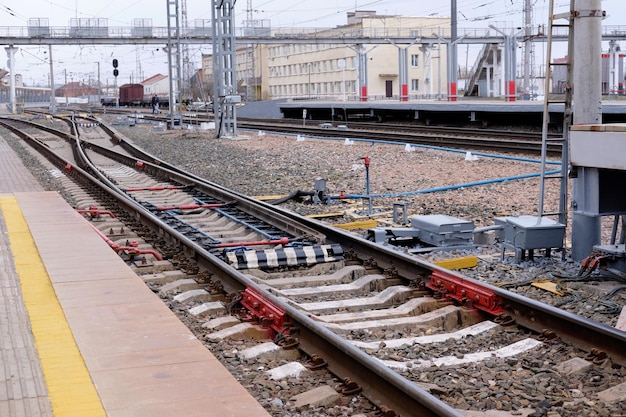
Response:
column 511, row 61
column 403, row 71
column 362, row 71
column 587, row 97
column 427, row 67
column 403, row 55
column 452, row 55
column 11, row 55
column 614, row 82
column 508, row 64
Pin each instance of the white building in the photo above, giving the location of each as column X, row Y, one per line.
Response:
column 330, row 71
column 157, row 84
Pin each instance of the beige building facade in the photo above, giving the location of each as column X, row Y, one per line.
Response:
column 325, row 70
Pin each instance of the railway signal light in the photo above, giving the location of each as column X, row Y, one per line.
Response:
column 114, row 63
column 116, row 72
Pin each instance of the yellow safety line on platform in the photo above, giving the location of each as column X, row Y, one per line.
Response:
column 69, row 384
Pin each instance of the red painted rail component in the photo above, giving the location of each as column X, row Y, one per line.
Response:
column 131, row 249
column 155, row 188
column 263, row 311
column 190, row 206
column 94, row 212
column 465, row 292
column 281, row 241
column 140, row 164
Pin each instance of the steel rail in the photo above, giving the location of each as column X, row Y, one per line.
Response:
column 435, row 136
column 451, row 140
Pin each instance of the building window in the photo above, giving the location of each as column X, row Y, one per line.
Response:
column 415, row 60
column 415, row 85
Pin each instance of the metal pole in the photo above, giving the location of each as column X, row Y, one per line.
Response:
column 507, row 66
column 527, row 45
column 11, row 54
column 53, row 101
column 588, row 63
column 66, row 98
column 587, row 99
column 99, row 90
column 439, row 68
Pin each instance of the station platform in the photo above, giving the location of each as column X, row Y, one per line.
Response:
column 81, row 334
column 484, row 111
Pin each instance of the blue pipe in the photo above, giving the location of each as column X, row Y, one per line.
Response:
column 449, row 187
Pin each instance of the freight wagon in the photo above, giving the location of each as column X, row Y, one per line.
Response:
column 132, row 95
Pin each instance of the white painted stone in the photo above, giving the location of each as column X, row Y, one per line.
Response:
column 239, row 331
column 193, row 295
column 434, row 338
column 504, row 352
column 258, row 350
column 290, row 369
column 212, row 309
column 221, row 323
column 317, row 397
column 179, row 285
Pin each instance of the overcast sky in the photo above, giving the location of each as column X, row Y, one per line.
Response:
column 80, row 62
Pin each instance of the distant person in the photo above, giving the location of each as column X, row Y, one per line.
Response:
column 155, row 104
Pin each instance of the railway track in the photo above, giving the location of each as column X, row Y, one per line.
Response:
column 501, row 141
column 380, row 320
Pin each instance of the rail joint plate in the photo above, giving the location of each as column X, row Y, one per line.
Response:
column 465, row 292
